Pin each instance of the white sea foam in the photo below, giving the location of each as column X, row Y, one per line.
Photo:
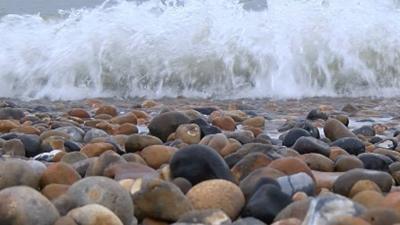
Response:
column 206, row 48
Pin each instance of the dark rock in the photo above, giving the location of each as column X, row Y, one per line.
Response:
column 367, row 131
column 205, row 110
column 266, row 149
column 375, row 140
column 373, row 161
column 249, row 189
column 72, row 146
column 317, row 114
column 197, row 163
column 347, row 162
column 294, row 134
column 137, row 142
column 206, row 128
column 166, row 123
column 351, row 145
column 266, row 203
column 305, row 145
column 11, row 113
column 94, row 133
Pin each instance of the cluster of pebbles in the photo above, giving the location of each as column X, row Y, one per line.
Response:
column 97, row 163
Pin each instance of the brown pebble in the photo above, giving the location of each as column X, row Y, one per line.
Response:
column 96, row 149
column 107, row 109
column 53, row 191
column 80, row 113
column 156, row 155
column 225, row 123
column 59, row 173
column 363, row 185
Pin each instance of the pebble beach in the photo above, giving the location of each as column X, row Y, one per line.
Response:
column 309, row 161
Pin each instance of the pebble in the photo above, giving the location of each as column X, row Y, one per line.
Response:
column 217, row 194
column 347, row 162
column 137, row 142
column 22, row 205
column 13, row 147
column 16, row 172
column 206, row 217
column 224, row 122
column 352, row 145
column 165, row 124
column 291, row 165
column 293, row 135
column 334, row 130
column 306, row 144
column 157, row 155
column 59, row 173
column 198, row 163
column 159, row 199
column 318, row 162
column 189, row 133
column 248, row 164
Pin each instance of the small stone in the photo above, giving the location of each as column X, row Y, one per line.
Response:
column 224, row 122
column 299, row 182
column 197, row 163
column 317, row 114
column 165, row 124
column 305, row 145
column 149, row 103
column 206, row 217
column 182, row 184
column 293, row 135
column 258, row 177
column 94, row 133
column 126, row 129
column 23, row 205
column 291, row 165
column 392, row 200
column 350, row 108
column 352, row 145
column 156, row 155
column 91, row 214
column 120, row 171
column 134, row 157
column 296, row 209
column 125, row 118
column 7, row 125
column 137, row 142
column 221, row 143
column 374, row 161
column 159, row 199
column 73, row 157
column 107, row 109
column 13, row 147
column 270, row 196
column 96, row 149
column 101, row 163
column 217, row 194
column 205, row 128
column 80, row 113
column 248, row 164
column 318, row 162
column 189, row 133
column 26, row 130
column 17, row 172
column 334, row 130
column 258, row 121
column 336, row 152
column 346, row 163
column 363, row 185
column 367, row 131
column 345, row 182
column 59, row 173
column 343, row 119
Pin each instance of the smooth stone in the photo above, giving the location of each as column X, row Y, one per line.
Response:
column 345, row 182
column 296, row 209
column 98, row 190
column 16, row 172
column 327, row 208
column 101, row 163
column 257, row 121
column 271, row 151
column 26, row 130
column 157, row 155
column 75, row 133
column 129, row 170
column 305, row 145
column 365, row 130
column 126, row 129
column 392, row 154
column 259, row 176
column 73, row 157
column 325, row 179
column 59, row 173
column 299, row 182
column 318, row 162
column 224, row 122
column 221, row 143
column 337, row 152
column 11, row 113
column 159, row 199
column 266, row 203
column 243, row 136
column 334, row 130
column 54, row 133
column 248, row 164
column 91, row 214
column 7, row 125
column 248, row 221
column 293, row 135
column 189, row 133
column 350, row 108
column 82, row 165
column 343, row 119
column 13, row 147
column 165, row 124
column 368, row 198
column 107, row 109
column 94, row 133
column 137, row 142
column 363, row 185
column 53, row 191
column 72, row 146
column 374, row 161
column 206, row 217
column 23, row 205
column 125, row 118
column 316, row 114
column 352, row 145
column 217, row 194
column 31, row 144
column 197, row 163
column 134, row 157
column 96, row 149
column 381, row 216
column 79, row 112
column 205, row 128
column 392, row 200
column 291, row 165
column 347, row 162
